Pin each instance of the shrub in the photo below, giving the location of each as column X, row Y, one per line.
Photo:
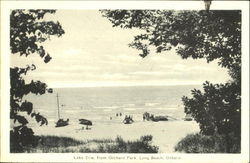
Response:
column 22, row 137
column 198, row 143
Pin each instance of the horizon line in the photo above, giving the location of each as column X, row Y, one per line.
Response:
column 100, row 86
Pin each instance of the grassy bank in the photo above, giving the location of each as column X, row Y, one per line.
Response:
column 198, row 143
column 56, row 144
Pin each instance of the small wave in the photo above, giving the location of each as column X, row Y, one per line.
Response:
column 166, row 108
column 107, row 107
column 128, row 105
column 71, row 111
column 129, row 108
column 76, row 108
column 85, row 110
column 107, row 110
column 139, row 108
column 172, row 108
column 151, row 104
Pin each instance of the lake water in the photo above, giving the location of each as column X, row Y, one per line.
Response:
column 100, row 104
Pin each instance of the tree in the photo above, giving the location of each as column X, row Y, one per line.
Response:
column 195, row 34
column 216, row 109
column 27, row 32
column 211, row 35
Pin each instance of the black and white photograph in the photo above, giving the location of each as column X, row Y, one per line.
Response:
column 138, row 80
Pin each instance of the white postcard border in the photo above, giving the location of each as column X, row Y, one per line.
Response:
column 6, row 6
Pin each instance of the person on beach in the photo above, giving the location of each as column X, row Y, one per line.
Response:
column 151, row 116
column 146, row 116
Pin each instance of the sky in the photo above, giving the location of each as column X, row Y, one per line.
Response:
column 93, row 53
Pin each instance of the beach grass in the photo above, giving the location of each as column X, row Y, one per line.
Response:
column 56, row 141
column 57, row 144
column 142, row 145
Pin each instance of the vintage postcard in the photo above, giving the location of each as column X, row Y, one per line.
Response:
column 125, row 81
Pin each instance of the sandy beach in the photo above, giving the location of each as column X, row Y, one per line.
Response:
column 166, row 134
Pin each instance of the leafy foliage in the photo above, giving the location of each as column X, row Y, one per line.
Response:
column 211, row 35
column 217, row 109
column 196, row 34
column 27, row 32
column 198, row 143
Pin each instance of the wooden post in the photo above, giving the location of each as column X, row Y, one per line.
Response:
column 58, row 105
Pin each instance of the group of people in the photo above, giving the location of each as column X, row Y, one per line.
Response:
column 117, row 115
column 147, row 116
column 127, row 120
column 151, row 117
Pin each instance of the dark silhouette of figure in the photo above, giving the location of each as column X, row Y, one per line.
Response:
column 128, row 120
column 146, row 116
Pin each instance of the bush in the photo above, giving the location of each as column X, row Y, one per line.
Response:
column 22, row 137
column 198, row 143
